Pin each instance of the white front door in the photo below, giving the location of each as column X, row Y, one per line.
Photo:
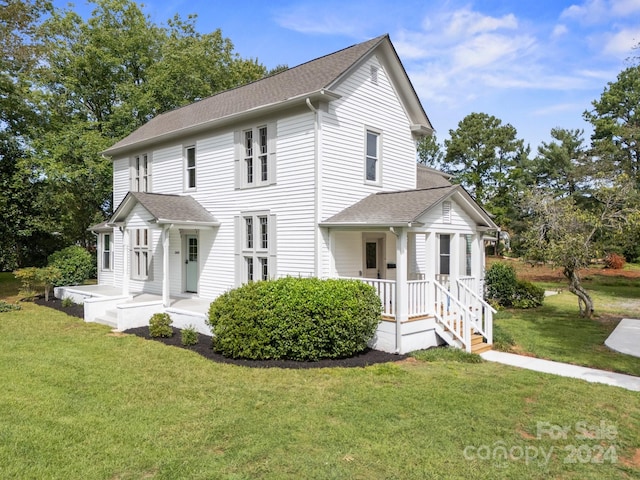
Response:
column 191, row 262
column 373, row 257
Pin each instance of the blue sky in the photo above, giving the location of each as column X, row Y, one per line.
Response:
column 536, row 64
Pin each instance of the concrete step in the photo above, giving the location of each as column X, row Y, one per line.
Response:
column 109, row 318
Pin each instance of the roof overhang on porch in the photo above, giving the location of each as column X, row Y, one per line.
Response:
column 174, row 210
column 407, row 209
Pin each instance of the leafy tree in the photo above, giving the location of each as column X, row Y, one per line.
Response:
column 481, row 154
column 616, row 121
column 569, row 235
column 431, row 152
column 560, row 166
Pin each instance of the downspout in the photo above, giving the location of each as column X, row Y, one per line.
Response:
column 317, row 189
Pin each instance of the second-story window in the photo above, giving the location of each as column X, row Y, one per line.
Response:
column 372, row 157
column 255, row 160
column 190, row 164
column 141, row 175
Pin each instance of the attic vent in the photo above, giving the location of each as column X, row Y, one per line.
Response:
column 446, row 212
column 374, row 75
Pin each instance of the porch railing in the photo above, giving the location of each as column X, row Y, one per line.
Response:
column 386, row 290
column 419, row 301
column 453, row 315
column 481, row 310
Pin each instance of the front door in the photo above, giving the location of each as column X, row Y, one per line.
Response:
column 191, row 262
column 373, row 257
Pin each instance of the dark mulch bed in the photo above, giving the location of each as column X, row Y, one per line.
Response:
column 55, row 303
column 203, row 347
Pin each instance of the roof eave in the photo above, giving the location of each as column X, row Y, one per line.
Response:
column 190, row 224
column 370, row 225
column 319, row 95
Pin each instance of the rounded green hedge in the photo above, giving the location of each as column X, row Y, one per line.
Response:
column 75, row 263
column 295, row 318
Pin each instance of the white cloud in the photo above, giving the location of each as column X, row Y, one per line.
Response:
column 621, row 43
column 559, row 31
column 600, row 11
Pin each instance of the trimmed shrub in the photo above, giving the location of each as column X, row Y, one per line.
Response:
column 29, row 282
column 160, row 325
column 75, row 265
column 527, row 295
column 614, row 261
column 505, row 290
column 189, row 336
column 295, row 318
column 500, row 284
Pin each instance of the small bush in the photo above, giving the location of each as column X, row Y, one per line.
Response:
column 295, row 318
column 160, row 325
column 501, row 284
column 189, row 336
column 614, row 261
column 29, row 281
column 8, row 307
column 75, row 265
column 68, row 302
column 527, row 295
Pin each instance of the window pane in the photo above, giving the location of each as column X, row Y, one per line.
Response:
column 264, row 232
column 445, row 244
column 249, row 230
column 248, row 144
column 264, row 174
column 264, row 267
column 371, row 169
column 445, row 254
column 191, row 157
column 249, row 162
column 444, row 264
column 372, row 144
column 263, row 141
column 191, row 182
column 249, row 268
column 371, row 255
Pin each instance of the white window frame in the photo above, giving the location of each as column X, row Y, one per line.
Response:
column 190, row 171
column 141, row 173
column 255, row 156
column 373, row 156
column 141, row 253
column 256, row 246
column 107, row 252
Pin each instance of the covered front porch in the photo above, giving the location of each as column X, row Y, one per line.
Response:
column 423, row 252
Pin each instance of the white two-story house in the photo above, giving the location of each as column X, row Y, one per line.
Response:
column 309, row 172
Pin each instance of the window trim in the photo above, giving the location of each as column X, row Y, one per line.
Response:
column 255, row 155
column 140, row 250
column 256, row 248
column 141, row 177
column 107, row 252
column 188, row 169
column 377, row 158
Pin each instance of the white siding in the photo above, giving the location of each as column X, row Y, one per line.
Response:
column 120, row 180
column 460, row 220
column 167, row 170
column 365, row 105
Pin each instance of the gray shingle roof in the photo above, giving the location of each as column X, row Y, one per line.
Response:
column 166, row 209
column 295, row 82
column 427, row 177
column 392, row 208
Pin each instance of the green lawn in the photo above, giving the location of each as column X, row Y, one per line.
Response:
column 79, row 402
column 555, row 331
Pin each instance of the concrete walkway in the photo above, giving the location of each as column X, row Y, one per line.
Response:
column 564, row 369
column 626, row 337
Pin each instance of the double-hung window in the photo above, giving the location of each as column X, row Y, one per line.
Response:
column 106, row 251
column 445, row 254
column 141, row 175
column 255, row 163
column 256, row 252
column 140, row 254
column 190, row 167
column 372, row 157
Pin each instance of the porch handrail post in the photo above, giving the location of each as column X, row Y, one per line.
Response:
column 126, row 273
column 165, row 266
column 402, row 297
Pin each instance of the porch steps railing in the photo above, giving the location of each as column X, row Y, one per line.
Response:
column 482, row 311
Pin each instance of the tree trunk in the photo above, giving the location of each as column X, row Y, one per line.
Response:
column 585, row 304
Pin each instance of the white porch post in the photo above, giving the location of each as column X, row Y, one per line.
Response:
column 456, row 256
column 478, row 262
column 402, row 294
column 126, row 269
column 165, row 266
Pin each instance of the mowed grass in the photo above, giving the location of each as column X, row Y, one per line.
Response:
column 556, row 331
column 78, row 402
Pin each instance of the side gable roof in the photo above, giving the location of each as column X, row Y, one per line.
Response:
column 312, row 80
column 165, row 209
